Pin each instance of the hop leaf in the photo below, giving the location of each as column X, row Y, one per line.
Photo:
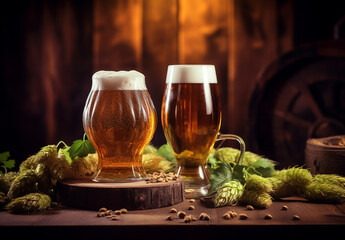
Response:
column 81, row 148
column 5, row 162
column 220, row 175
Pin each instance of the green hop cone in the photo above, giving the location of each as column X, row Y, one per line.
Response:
column 25, row 182
column 85, row 166
column 330, row 179
column 44, row 156
column 228, row 194
column 3, row 199
column 230, row 155
column 4, row 183
column 256, row 199
column 45, row 181
column 290, row 182
column 155, row 163
column 150, row 149
column 257, row 183
column 325, row 193
column 59, row 168
column 29, row 203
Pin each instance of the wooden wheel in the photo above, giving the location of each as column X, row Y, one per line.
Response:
column 300, row 96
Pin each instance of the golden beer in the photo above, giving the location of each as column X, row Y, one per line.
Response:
column 191, row 122
column 191, row 118
column 119, row 120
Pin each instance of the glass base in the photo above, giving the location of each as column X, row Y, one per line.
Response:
column 120, row 175
column 196, row 181
column 193, row 190
column 118, row 180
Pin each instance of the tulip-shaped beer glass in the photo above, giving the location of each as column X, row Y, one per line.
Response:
column 191, row 119
column 119, row 119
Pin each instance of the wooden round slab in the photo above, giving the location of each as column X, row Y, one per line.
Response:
column 326, row 155
column 91, row 195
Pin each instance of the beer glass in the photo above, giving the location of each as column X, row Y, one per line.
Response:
column 119, row 119
column 191, row 119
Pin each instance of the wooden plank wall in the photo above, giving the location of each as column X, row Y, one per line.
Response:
column 47, row 60
column 240, row 37
column 59, row 44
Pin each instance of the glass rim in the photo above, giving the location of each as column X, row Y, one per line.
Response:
column 191, row 73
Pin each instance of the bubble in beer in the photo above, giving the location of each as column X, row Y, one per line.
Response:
column 118, row 80
column 119, row 119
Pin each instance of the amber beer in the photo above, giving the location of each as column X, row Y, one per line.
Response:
column 191, row 118
column 119, row 119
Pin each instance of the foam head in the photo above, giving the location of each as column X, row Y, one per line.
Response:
column 118, row 80
column 191, row 74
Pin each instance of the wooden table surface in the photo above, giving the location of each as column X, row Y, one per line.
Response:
column 62, row 223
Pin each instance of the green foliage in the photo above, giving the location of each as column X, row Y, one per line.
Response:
column 220, row 175
column 5, row 162
column 262, row 167
column 81, row 148
column 166, row 152
column 223, row 168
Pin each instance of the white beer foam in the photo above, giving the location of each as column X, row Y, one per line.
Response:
column 118, row 80
column 191, row 74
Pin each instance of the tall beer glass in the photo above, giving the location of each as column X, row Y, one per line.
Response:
column 119, row 119
column 191, row 119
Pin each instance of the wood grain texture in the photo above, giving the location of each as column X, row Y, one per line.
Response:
column 117, row 35
column 259, row 32
column 86, row 194
column 315, row 220
column 57, row 45
column 159, row 43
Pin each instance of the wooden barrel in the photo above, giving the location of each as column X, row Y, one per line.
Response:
column 299, row 96
column 326, row 155
column 91, row 195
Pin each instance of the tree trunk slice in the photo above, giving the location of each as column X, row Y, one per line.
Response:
column 91, row 195
column 326, row 155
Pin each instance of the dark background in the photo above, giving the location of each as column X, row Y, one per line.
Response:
column 50, row 49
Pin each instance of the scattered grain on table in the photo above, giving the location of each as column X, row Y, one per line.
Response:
column 243, row 216
column 181, row 214
column 204, row 216
column 250, row 207
column 173, row 210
